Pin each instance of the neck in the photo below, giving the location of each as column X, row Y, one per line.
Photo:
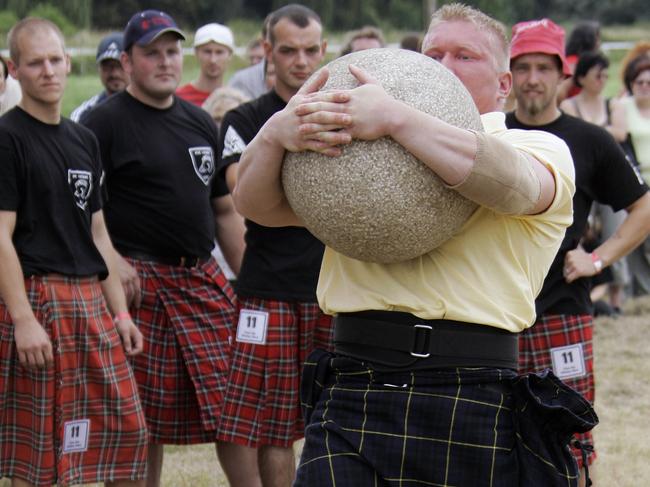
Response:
column 46, row 113
column 285, row 92
column 587, row 96
column 149, row 100
column 545, row 117
column 208, row 85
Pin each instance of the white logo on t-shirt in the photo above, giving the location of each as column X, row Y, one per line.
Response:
column 81, row 183
column 203, row 162
column 232, row 143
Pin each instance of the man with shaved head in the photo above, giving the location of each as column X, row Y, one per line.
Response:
column 69, row 401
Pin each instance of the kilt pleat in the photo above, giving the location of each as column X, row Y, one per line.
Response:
column 186, row 317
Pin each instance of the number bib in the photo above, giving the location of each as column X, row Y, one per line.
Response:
column 252, row 326
column 568, row 361
column 75, row 436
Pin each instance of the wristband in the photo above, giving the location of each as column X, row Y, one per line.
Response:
column 597, row 262
column 124, row 315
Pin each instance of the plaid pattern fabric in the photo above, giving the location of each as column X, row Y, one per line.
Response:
column 551, row 331
column 186, row 317
column 443, row 427
column 91, row 380
column 262, row 405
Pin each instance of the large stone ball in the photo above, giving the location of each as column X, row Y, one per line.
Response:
column 377, row 202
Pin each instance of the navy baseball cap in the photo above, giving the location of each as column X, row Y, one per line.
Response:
column 110, row 47
column 145, row 27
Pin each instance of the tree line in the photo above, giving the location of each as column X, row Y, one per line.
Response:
column 336, row 14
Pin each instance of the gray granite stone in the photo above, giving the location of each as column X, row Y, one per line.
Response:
column 377, row 202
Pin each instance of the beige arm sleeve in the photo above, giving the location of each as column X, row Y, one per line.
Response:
column 502, row 178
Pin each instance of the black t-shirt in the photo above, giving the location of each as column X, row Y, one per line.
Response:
column 159, row 175
column 603, row 174
column 279, row 263
column 50, row 175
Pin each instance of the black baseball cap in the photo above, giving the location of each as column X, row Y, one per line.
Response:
column 145, row 27
column 110, row 47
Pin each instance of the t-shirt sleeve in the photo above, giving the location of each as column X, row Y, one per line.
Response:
column 237, row 131
column 617, row 182
column 10, row 173
column 218, row 185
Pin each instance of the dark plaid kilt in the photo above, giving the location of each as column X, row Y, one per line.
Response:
column 91, row 380
column 186, row 317
column 262, row 405
column 552, row 331
column 442, row 427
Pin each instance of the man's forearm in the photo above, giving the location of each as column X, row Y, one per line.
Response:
column 258, row 194
column 111, row 286
column 12, row 284
column 631, row 232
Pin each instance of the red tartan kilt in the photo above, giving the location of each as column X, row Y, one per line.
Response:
column 262, row 405
column 91, row 380
column 552, row 331
column 186, row 318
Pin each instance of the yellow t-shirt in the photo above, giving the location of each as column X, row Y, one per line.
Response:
column 489, row 273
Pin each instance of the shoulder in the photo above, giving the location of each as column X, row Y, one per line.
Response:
column 113, row 106
column 85, row 106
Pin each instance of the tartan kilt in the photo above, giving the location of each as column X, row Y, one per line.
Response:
column 91, row 380
column 186, row 316
column 550, row 331
column 445, row 427
column 262, row 405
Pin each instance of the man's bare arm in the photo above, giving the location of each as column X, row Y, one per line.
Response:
column 258, row 193
column 630, row 233
column 32, row 342
column 229, row 231
column 112, row 287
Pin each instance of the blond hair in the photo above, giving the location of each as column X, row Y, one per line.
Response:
column 495, row 29
column 222, row 100
column 30, row 25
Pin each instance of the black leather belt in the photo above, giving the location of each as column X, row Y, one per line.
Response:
column 403, row 340
column 178, row 261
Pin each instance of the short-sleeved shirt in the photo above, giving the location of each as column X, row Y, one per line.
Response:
column 159, row 166
column 279, row 263
column 50, row 176
column 489, row 273
column 603, row 174
column 189, row 93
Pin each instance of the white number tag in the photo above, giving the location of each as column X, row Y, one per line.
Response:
column 75, row 437
column 252, row 326
column 568, row 361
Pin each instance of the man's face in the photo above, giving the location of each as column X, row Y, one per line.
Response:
column 43, row 67
column 112, row 76
column 296, row 53
column 467, row 52
column 363, row 43
column 155, row 69
column 536, row 78
column 213, row 59
column 256, row 54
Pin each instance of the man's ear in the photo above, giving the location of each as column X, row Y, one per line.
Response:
column 505, row 85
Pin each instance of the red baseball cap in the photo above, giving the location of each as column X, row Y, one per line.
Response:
column 539, row 36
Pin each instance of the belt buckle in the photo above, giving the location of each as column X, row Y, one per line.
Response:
column 427, row 339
